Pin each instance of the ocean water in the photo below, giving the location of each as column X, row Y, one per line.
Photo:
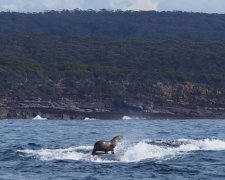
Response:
column 151, row 149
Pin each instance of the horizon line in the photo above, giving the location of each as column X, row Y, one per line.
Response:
column 107, row 10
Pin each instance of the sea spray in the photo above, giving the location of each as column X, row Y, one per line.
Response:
column 132, row 118
column 130, row 152
column 205, row 144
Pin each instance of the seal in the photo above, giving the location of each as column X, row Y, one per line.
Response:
column 106, row 146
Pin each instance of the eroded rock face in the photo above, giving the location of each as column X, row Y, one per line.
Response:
column 191, row 94
column 166, row 100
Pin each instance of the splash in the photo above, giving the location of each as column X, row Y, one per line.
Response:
column 89, row 119
column 72, row 153
column 38, row 117
column 206, row 144
column 131, row 118
column 130, row 152
column 166, row 150
column 126, row 118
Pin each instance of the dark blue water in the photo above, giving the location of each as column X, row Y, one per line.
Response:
column 151, row 149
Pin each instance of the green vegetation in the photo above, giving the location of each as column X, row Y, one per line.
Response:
column 60, row 66
column 144, row 56
column 124, row 25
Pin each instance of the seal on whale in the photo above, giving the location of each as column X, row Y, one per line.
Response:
column 106, row 146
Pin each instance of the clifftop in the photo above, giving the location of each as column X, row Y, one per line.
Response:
column 149, row 25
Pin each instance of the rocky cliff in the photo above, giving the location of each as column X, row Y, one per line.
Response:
column 189, row 100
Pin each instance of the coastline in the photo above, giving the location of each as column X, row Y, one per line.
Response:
column 172, row 113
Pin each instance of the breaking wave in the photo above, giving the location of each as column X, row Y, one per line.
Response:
column 38, row 117
column 159, row 150
column 89, row 119
column 131, row 118
column 130, row 151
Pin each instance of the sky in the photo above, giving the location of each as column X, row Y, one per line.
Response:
column 207, row 6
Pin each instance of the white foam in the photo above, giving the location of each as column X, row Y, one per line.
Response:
column 130, row 152
column 126, row 118
column 38, row 117
column 130, row 118
column 47, row 154
column 206, row 144
column 88, row 119
column 143, row 150
column 58, row 154
column 83, row 148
